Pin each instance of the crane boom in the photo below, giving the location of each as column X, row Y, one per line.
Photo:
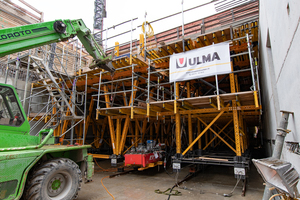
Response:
column 21, row 38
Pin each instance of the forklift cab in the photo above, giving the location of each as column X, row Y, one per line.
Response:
column 12, row 115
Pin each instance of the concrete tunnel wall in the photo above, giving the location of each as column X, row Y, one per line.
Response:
column 280, row 72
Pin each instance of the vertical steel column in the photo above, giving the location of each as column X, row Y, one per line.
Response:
column 236, row 129
column 252, row 73
column 136, row 132
column 183, row 47
column 124, row 134
column 199, row 132
column 6, row 72
column 190, row 127
column 145, row 38
column 151, row 131
column 218, row 93
column 242, row 136
column 130, row 61
column 98, row 98
column 148, row 91
column 27, row 77
column 118, row 135
column 84, row 114
column 257, row 79
column 17, row 71
column 106, row 32
column 177, row 121
column 110, row 120
column 132, row 88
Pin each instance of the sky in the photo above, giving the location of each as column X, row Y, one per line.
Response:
column 119, row 11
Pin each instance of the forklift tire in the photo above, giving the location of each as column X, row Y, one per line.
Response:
column 55, row 179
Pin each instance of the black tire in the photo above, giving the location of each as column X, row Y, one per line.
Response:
column 55, row 179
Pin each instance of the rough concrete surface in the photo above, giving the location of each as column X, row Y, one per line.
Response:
column 211, row 183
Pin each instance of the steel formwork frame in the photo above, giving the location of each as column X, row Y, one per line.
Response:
column 213, row 119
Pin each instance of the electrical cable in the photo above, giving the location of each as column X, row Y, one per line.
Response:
column 106, row 170
column 106, row 188
column 150, row 31
column 276, row 195
column 230, row 193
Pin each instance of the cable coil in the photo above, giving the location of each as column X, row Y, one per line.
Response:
column 150, row 32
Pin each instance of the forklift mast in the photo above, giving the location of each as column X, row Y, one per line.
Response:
column 21, row 38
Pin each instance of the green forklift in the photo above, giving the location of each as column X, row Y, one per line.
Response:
column 35, row 167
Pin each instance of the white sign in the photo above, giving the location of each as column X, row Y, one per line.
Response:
column 239, row 171
column 201, row 62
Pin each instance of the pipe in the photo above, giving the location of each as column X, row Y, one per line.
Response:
column 281, row 133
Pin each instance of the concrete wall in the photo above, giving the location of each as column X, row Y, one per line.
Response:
column 280, row 71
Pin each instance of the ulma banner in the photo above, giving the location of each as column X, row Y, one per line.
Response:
column 201, row 62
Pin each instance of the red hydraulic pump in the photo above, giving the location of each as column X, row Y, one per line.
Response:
column 144, row 155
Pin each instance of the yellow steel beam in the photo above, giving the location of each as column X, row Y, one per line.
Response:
column 206, row 41
column 210, row 110
column 133, row 144
column 224, row 36
column 213, row 102
column 176, row 98
column 112, row 112
column 231, row 78
column 170, row 49
column 124, row 111
column 136, row 131
column 187, row 105
column 168, row 107
column 225, row 134
column 190, row 44
column 178, row 131
column 117, row 49
column 110, row 121
column 199, row 42
column 237, row 86
column 141, row 111
column 124, row 134
column 242, row 134
column 238, row 101
column 215, row 39
column 100, row 156
column 144, row 129
column 150, row 165
column 236, row 130
column 190, row 129
column 103, row 130
column 255, row 99
column 163, row 51
column 156, row 108
column 216, row 135
column 199, row 131
column 132, row 96
column 151, row 131
column 178, row 48
column 199, row 136
column 88, row 119
column 118, row 135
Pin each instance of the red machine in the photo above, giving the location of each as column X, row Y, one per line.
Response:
column 141, row 159
column 143, row 156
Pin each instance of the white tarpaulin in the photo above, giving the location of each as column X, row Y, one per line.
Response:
column 201, row 62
